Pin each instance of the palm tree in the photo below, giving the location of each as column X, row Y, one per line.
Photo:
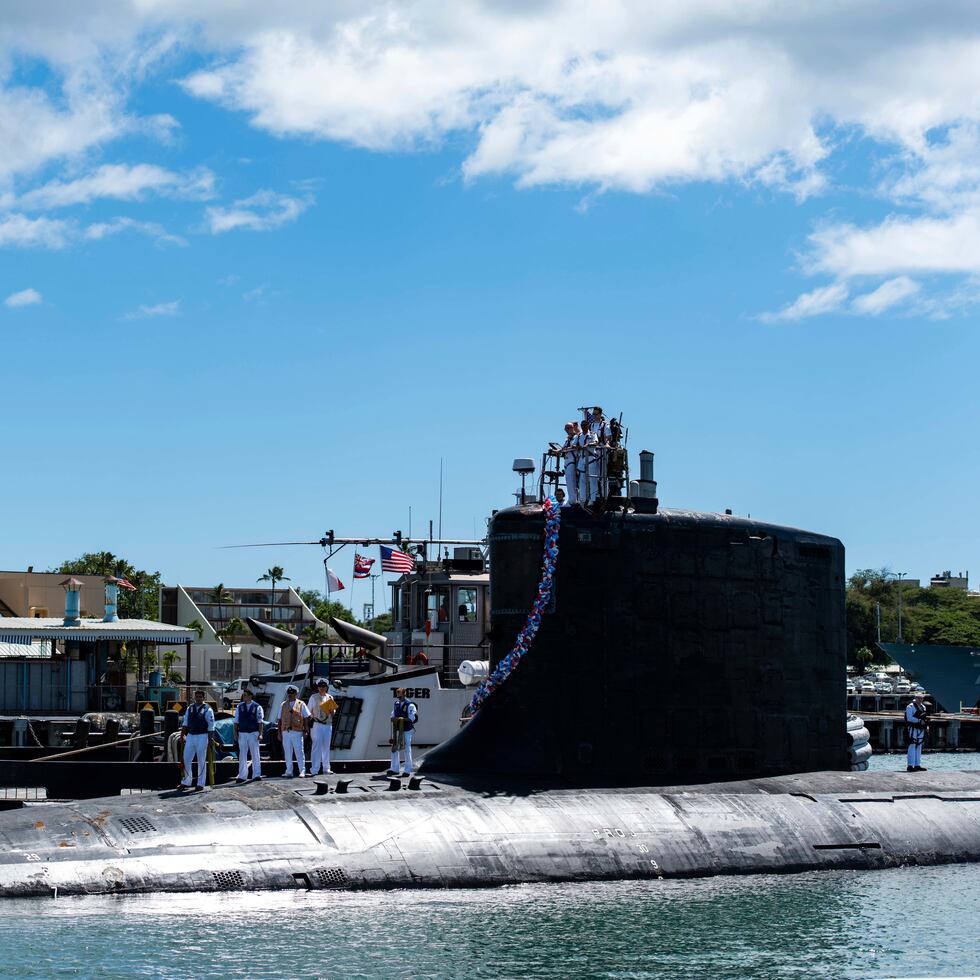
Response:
column 273, row 575
column 197, row 626
column 219, row 594
column 234, row 627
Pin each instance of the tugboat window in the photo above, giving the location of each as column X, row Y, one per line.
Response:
column 466, row 609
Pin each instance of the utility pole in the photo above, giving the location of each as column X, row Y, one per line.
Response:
column 900, row 574
column 878, row 619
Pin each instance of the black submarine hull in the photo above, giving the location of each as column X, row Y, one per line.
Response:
column 687, row 666
column 281, row 834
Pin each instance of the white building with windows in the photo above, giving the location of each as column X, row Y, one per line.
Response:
column 218, row 655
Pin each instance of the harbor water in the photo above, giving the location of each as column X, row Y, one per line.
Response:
column 908, row 922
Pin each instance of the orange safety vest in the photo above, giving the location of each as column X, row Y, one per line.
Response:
column 291, row 719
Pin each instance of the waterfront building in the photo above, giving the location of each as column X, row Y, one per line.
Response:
column 75, row 661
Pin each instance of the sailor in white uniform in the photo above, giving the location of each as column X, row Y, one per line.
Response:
column 249, row 720
column 587, row 482
column 599, row 430
column 322, row 706
column 915, row 719
column 196, row 727
column 404, row 715
column 569, row 453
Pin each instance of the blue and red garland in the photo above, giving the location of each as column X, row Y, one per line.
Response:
column 552, row 514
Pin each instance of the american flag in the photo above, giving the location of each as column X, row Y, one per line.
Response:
column 362, row 566
column 395, row 561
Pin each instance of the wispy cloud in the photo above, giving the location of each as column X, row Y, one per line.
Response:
column 159, row 309
column 153, row 230
column 824, row 299
column 26, row 297
column 886, row 296
column 120, row 182
column 21, row 231
column 262, row 211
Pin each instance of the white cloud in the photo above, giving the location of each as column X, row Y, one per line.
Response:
column 159, row 309
column 19, row 231
column 622, row 96
column 157, row 232
column 899, row 244
column 824, row 299
column 260, row 212
column 121, row 182
column 26, row 297
column 887, row 295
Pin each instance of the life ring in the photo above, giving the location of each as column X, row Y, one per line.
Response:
column 418, row 658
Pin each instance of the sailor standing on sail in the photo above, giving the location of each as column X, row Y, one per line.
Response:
column 915, row 717
column 569, row 454
column 249, row 719
column 322, row 706
column 599, row 429
column 583, row 442
column 293, row 715
column 404, row 715
column 196, row 727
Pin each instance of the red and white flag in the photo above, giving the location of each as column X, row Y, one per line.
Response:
column 333, row 583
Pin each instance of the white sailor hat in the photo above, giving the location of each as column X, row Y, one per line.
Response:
column 322, row 681
column 292, row 687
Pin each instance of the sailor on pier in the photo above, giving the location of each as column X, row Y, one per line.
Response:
column 196, row 727
column 293, row 715
column 569, row 453
column 249, row 719
column 322, row 706
column 404, row 715
column 915, row 718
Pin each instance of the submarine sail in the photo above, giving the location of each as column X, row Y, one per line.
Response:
column 677, row 647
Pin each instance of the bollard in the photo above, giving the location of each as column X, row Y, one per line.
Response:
column 111, row 733
column 82, row 729
column 19, row 732
column 171, row 722
column 148, row 724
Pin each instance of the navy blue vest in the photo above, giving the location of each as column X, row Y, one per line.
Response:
column 196, row 719
column 248, row 717
column 401, row 711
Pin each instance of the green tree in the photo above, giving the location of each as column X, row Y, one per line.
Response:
column 323, row 608
column 220, row 595
column 168, row 661
column 233, row 629
column 380, row 623
column 140, row 603
column 273, row 575
column 196, row 625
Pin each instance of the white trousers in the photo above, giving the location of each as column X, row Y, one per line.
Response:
column 588, row 482
column 571, row 484
column 320, row 753
column 248, row 744
column 292, row 745
column 915, row 751
column 196, row 747
column 408, row 754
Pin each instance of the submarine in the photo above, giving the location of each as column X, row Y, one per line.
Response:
column 666, row 700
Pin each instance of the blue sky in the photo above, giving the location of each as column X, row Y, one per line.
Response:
column 257, row 279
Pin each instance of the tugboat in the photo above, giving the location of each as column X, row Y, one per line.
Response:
column 584, row 759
